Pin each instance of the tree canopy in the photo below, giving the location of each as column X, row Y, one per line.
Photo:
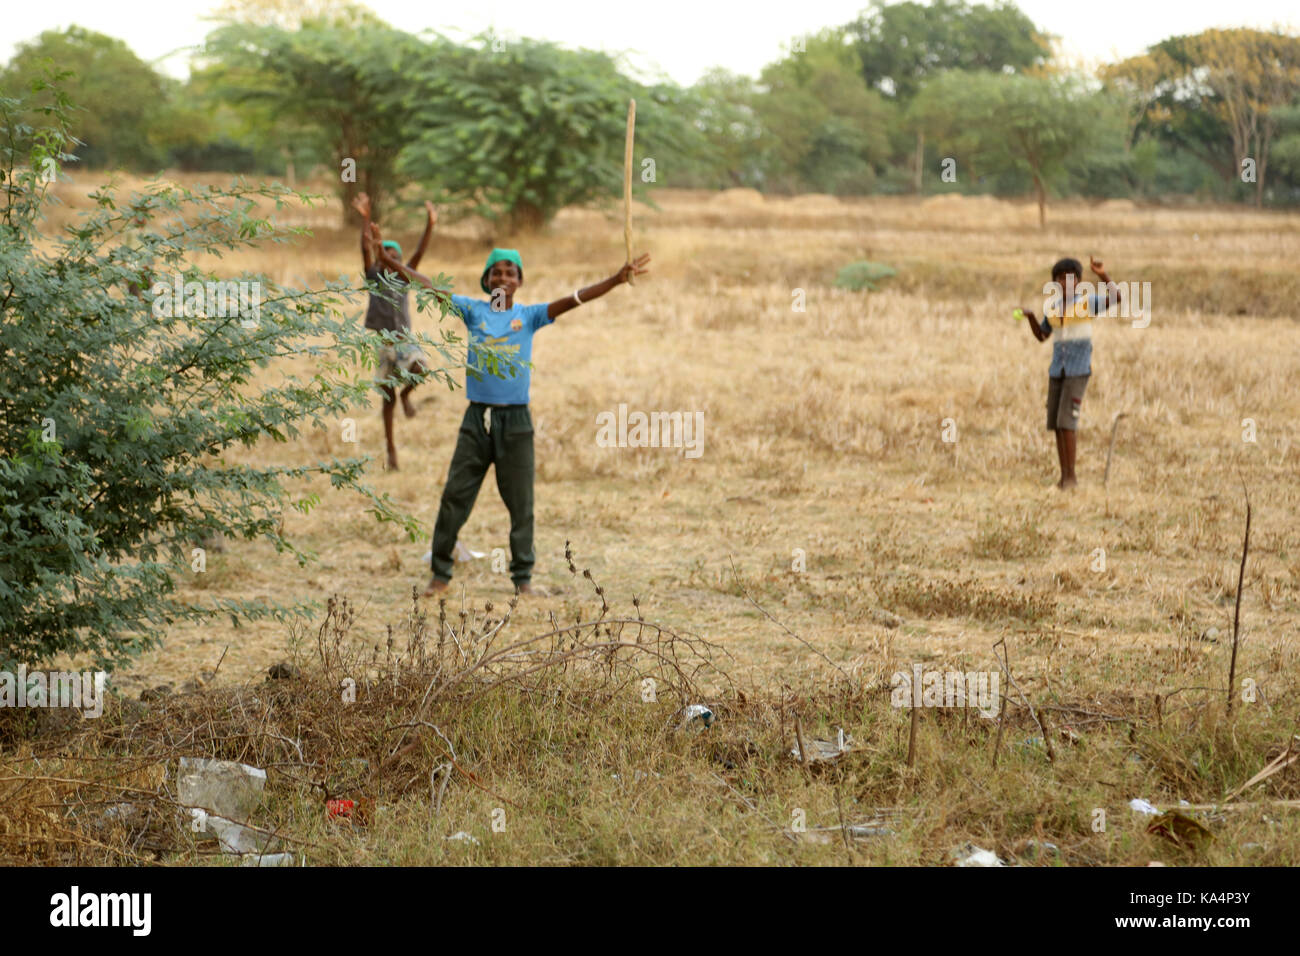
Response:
column 514, row 130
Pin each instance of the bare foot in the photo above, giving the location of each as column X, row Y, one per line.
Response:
column 1065, row 484
column 392, row 460
column 525, row 587
column 407, row 408
column 435, row 588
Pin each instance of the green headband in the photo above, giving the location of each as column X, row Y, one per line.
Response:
column 501, row 255
column 390, row 244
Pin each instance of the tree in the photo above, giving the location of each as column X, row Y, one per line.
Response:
column 120, row 97
column 126, row 371
column 345, row 79
column 1252, row 74
column 902, row 44
column 1286, row 150
column 823, row 128
column 725, row 147
column 1139, row 81
column 1216, row 94
column 1182, row 114
column 289, row 14
column 205, row 132
column 1031, row 123
column 520, row 129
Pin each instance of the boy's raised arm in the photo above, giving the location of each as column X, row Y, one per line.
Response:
column 361, row 203
column 431, row 221
column 397, row 265
column 371, row 246
column 1110, row 292
column 387, row 261
column 582, row 296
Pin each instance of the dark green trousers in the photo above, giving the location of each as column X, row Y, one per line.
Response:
column 499, row 435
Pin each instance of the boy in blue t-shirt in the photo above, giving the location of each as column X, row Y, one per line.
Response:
column 497, row 428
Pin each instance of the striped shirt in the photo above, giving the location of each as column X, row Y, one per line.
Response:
column 1072, row 348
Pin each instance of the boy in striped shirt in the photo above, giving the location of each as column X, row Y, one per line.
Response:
column 1069, row 313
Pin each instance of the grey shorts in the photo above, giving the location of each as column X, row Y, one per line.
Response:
column 1064, row 401
column 403, row 355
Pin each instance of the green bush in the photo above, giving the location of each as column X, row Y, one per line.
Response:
column 116, row 407
column 858, row 276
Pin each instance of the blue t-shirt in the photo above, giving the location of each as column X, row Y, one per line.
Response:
column 510, row 333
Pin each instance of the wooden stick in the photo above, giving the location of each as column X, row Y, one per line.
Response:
column 1002, row 716
column 1114, row 427
column 844, row 829
column 1047, row 736
column 1005, row 664
column 911, row 735
column 217, row 669
column 627, row 183
column 1280, row 762
column 1288, row 804
column 1236, row 614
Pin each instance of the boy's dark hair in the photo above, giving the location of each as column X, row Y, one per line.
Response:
column 1063, row 266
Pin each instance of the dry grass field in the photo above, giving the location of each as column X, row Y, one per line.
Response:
column 828, row 527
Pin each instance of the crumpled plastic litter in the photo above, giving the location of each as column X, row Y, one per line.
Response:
column 459, row 553
column 227, row 793
column 825, row 750
column 972, row 855
column 267, row 859
column 696, row 712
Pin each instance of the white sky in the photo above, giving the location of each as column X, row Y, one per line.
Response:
column 682, row 38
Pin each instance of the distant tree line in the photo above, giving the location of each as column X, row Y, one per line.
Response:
column 907, row 98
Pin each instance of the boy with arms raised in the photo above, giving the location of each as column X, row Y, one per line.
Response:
column 1070, row 312
column 498, row 428
column 388, row 311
